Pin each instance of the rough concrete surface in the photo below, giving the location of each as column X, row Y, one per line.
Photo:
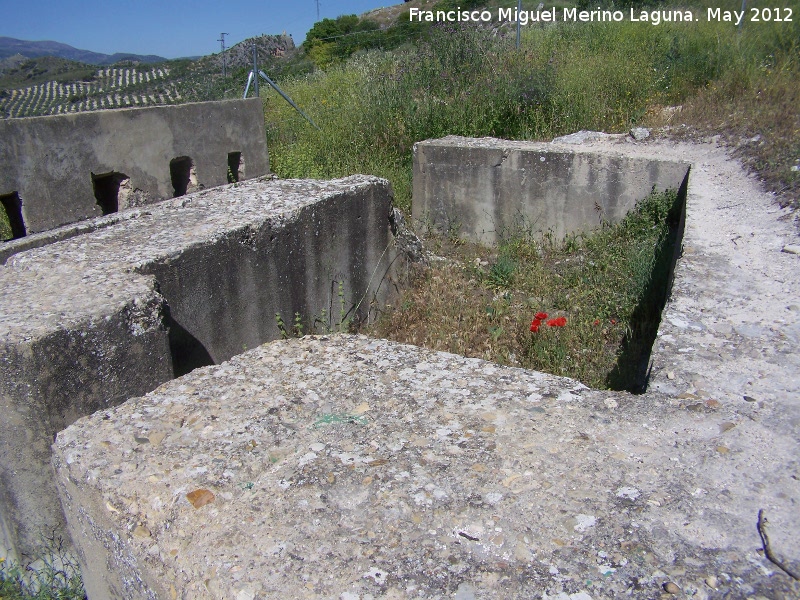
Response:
column 345, row 467
column 489, row 189
column 91, row 321
column 51, row 161
column 37, row 240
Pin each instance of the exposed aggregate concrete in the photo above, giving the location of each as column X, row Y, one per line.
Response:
column 39, row 289
column 90, row 321
column 345, row 465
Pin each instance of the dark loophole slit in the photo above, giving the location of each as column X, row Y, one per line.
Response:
column 12, row 206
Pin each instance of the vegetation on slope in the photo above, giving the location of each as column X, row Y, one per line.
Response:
column 604, row 76
column 122, row 86
column 27, row 72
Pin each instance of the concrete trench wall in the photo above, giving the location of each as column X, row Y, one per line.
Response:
column 88, row 322
column 487, row 189
column 224, row 295
column 51, row 163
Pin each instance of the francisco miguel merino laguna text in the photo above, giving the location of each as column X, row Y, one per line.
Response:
column 548, row 15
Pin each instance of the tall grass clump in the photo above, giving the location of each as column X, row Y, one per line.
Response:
column 751, row 101
column 467, row 80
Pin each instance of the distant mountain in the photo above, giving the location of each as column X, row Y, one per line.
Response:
column 10, row 47
column 270, row 49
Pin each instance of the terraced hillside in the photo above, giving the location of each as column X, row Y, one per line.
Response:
column 113, row 87
column 48, row 86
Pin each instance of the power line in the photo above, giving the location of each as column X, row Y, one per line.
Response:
column 221, row 40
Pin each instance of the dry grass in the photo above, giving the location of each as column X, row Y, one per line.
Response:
column 760, row 119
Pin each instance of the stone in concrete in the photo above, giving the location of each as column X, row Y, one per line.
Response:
column 343, row 467
column 489, row 189
column 91, row 321
column 53, row 163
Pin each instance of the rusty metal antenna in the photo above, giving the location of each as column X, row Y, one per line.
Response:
column 253, row 78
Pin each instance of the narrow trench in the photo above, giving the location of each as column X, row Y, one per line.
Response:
column 632, row 371
column 187, row 352
column 628, row 370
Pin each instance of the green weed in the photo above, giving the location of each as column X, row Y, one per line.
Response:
column 55, row 576
column 501, row 273
column 320, row 324
column 5, row 227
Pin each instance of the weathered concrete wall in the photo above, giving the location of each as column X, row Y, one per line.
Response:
column 88, row 322
column 485, row 189
column 345, row 467
column 225, row 293
column 50, row 161
column 53, row 375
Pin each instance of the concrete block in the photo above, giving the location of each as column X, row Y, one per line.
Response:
column 346, row 467
column 91, row 321
column 57, row 165
column 487, row 189
column 52, row 375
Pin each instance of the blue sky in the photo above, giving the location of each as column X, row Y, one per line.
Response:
column 165, row 27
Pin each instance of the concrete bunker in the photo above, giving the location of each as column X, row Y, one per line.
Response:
column 100, row 318
column 196, row 305
column 11, row 205
column 390, row 470
column 47, row 160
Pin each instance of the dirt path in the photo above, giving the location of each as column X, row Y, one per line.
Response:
column 730, row 336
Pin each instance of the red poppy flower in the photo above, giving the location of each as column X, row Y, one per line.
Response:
column 541, row 316
column 597, row 321
column 613, row 322
column 535, row 324
column 557, row 322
